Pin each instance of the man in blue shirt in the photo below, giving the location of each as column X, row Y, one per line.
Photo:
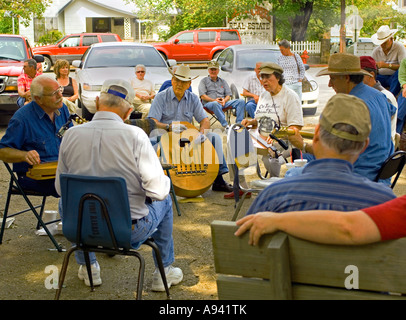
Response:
column 179, row 104
column 329, row 182
column 31, row 136
column 346, row 76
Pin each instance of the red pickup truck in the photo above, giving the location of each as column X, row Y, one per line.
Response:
column 14, row 50
column 199, row 45
column 72, row 47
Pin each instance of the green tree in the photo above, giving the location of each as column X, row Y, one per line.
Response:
column 23, row 9
column 295, row 20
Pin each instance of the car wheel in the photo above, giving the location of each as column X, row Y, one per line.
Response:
column 215, row 56
column 163, row 55
column 47, row 64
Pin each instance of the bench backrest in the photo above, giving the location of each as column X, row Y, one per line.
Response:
column 285, row 267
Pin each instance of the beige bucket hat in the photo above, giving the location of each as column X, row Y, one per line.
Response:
column 382, row 35
column 182, row 73
column 343, row 64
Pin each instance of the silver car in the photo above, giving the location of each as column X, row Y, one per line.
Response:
column 116, row 60
column 238, row 62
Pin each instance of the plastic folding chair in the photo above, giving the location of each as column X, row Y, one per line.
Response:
column 392, row 166
column 16, row 189
column 96, row 217
column 244, row 165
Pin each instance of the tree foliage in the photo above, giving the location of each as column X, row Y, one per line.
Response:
column 294, row 19
column 23, row 9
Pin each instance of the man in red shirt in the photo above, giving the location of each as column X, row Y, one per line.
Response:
column 378, row 223
column 24, row 82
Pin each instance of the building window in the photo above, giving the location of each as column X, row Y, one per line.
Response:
column 101, row 24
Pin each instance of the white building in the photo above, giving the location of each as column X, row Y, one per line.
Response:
column 75, row 16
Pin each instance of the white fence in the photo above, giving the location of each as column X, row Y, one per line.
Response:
column 300, row 46
column 312, row 47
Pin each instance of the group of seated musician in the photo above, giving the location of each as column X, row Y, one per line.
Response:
column 343, row 133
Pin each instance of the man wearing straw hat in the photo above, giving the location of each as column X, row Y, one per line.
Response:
column 388, row 56
column 329, row 182
column 177, row 103
column 346, row 76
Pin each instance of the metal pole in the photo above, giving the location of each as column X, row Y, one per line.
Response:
column 342, row 28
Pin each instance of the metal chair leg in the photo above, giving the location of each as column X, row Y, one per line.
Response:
column 150, row 242
column 141, row 273
column 89, row 270
column 63, row 271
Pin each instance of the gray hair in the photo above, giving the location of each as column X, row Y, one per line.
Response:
column 112, row 101
column 284, row 43
column 141, row 66
column 37, row 85
column 340, row 145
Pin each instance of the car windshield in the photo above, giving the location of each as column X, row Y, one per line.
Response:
column 120, row 56
column 247, row 59
column 12, row 48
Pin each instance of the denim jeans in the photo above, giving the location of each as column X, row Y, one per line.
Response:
column 157, row 224
column 297, row 87
column 216, row 107
column 217, row 143
column 251, row 106
column 390, row 81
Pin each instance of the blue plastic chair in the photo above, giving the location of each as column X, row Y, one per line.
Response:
column 96, row 217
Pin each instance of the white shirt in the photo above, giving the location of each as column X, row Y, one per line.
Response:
column 284, row 104
column 145, row 87
column 108, row 147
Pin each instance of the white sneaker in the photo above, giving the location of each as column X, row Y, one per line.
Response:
column 95, row 268
column 173, row 277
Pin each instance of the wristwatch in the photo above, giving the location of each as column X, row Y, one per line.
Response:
column 390, row 65
column 167, row 127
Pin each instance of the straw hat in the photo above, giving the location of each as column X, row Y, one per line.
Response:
column 182, row 73
column 383, row 34
column 343, row 64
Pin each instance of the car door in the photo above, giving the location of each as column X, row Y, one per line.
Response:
column 183, row 47
column 204, row 44
column 70, row 48
column 87, row 41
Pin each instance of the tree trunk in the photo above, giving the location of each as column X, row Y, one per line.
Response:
column 301, row 21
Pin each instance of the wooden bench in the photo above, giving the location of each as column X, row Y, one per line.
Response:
column 284, row 267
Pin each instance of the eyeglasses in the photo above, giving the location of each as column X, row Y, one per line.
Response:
column 59, row 90
column 140, row 72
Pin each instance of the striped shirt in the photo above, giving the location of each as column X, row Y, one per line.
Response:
column 325, row 184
